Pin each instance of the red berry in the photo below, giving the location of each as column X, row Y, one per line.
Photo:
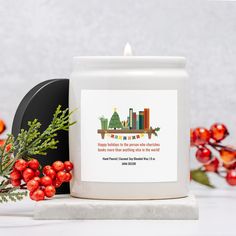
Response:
column 28, row 174
column 31, row 196
column 213, row 165
column 68, row 165
column 15, row 174
column 56, row 183
column 46, row 180
column 32, row 185
column 68, row 177
column 37, row 195
column 58, row 166
column 20, row 165
column 231, row 177
column 229, row 166
column 49, row 191
column 203, row 155
column 8, row 147
column 51, row 173
column 33, row 164
column 15, row 182
column 2, row 126
column 37, row 173
column 201, row 136
column 227, row 156
column 36, row 178
column 218, row 131
column 45, row 168
column 191, row 138
column 2, row 142
column 61, row 175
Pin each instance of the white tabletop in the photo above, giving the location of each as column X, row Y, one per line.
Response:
column 217, row 217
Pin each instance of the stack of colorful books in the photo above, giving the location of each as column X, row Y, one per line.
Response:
column 140, row 120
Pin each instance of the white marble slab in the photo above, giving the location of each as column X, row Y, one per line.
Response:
column 70, row 208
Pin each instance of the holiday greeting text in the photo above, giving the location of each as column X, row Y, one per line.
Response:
column 129, row 148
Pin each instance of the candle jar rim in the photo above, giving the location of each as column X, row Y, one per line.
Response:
column 129, row 62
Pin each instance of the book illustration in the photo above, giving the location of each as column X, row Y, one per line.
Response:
column 136, row 123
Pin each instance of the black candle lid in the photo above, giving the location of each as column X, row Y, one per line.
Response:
column 40, row 103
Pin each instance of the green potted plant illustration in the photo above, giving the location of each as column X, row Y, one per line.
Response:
column 104, row 123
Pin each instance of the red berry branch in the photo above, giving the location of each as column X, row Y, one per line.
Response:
column 28, row 172
column 213, row 155
column 19, row 170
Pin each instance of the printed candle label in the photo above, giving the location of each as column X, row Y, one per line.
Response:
column 129, row 135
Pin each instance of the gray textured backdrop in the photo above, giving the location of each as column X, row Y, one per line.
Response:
column 39, row 38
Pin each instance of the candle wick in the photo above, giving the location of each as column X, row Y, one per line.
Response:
column 128, row 50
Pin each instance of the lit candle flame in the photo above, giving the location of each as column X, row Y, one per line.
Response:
column 128, row 50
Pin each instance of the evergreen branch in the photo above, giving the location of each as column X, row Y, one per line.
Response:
column 12, row 194
column 8, row 192
column 32, row 142
column 6, row 152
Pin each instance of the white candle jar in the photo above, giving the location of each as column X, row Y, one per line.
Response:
column 131, row 140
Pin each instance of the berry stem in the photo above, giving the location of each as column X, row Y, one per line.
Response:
column 220, row 175
column 217, row 145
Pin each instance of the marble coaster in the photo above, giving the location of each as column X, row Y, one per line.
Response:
column 69, row 208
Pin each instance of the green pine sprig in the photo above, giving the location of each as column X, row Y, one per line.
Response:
column 7, row 192
column 156, row 130
column 31, row 142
